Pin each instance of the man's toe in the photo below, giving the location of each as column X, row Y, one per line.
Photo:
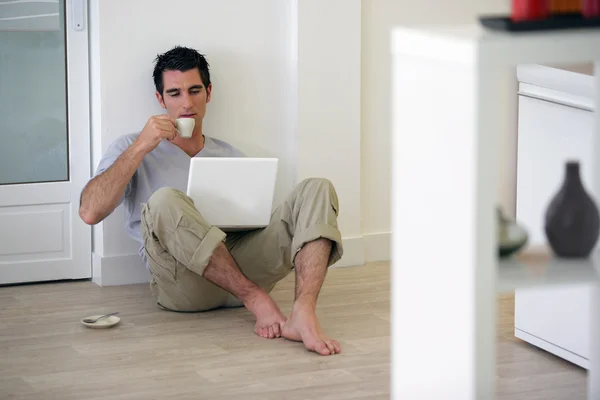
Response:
column 330, row 346
column 336, row 345
column 322, row 349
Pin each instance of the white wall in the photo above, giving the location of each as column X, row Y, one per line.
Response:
column 313, row 78
column 329, row 91
column 378, row 17
column 247, row 46
column 285, row 84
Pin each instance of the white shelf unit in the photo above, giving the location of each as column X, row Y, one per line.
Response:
column 556, row 124
column 454, row 95
column 537, row 268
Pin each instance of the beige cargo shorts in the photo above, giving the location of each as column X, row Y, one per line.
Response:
column 178, row 243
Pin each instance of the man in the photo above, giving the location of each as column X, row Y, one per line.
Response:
column 196, row 266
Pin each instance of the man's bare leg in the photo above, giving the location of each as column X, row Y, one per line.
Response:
column 303, row 325
column 223, row 271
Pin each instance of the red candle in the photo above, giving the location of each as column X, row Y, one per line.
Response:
column 591, row 8
column 565, row 7
column 526, row 10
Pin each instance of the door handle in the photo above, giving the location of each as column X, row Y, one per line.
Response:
column 78, row 14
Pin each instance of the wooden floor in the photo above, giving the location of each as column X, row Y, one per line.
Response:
column 46, row 354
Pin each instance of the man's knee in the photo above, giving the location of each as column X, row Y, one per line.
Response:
column 319, row 188
column 316, row 185
column 165, row 197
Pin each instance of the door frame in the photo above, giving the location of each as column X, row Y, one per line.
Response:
column 78, row 117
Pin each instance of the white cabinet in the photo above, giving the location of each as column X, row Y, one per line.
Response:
column 556, row 124
column 555, row 319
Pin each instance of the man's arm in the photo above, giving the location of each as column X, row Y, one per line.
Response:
column 103, row 193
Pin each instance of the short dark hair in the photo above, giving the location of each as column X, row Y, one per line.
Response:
column 180, row 59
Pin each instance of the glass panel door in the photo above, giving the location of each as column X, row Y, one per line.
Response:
column 44, row 93
column 33, row 103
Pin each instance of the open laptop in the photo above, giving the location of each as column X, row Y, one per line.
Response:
column 233, row 193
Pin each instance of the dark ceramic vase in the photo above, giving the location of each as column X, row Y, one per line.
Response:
column 572, row 221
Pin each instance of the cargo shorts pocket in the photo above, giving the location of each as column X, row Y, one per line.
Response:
column 162, row 264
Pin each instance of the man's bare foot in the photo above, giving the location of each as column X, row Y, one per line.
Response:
column 303, row 326
column 269, row 318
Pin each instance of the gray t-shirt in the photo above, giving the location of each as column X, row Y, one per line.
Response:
column 167, row 165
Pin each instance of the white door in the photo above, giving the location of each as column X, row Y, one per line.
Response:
column 44, row 140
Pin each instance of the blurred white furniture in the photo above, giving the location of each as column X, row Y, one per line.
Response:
column 454, row 95
column 556, row 124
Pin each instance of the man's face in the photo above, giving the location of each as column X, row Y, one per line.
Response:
column 184, row 94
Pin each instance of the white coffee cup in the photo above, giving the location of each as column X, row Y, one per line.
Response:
column 185, row 126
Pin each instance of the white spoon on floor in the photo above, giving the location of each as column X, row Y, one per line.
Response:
column 92, row 320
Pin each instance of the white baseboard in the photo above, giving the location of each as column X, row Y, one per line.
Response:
column 129, row 269
column 377, row 246
column 126, row 269
column 354, row 253
column 371, row 247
